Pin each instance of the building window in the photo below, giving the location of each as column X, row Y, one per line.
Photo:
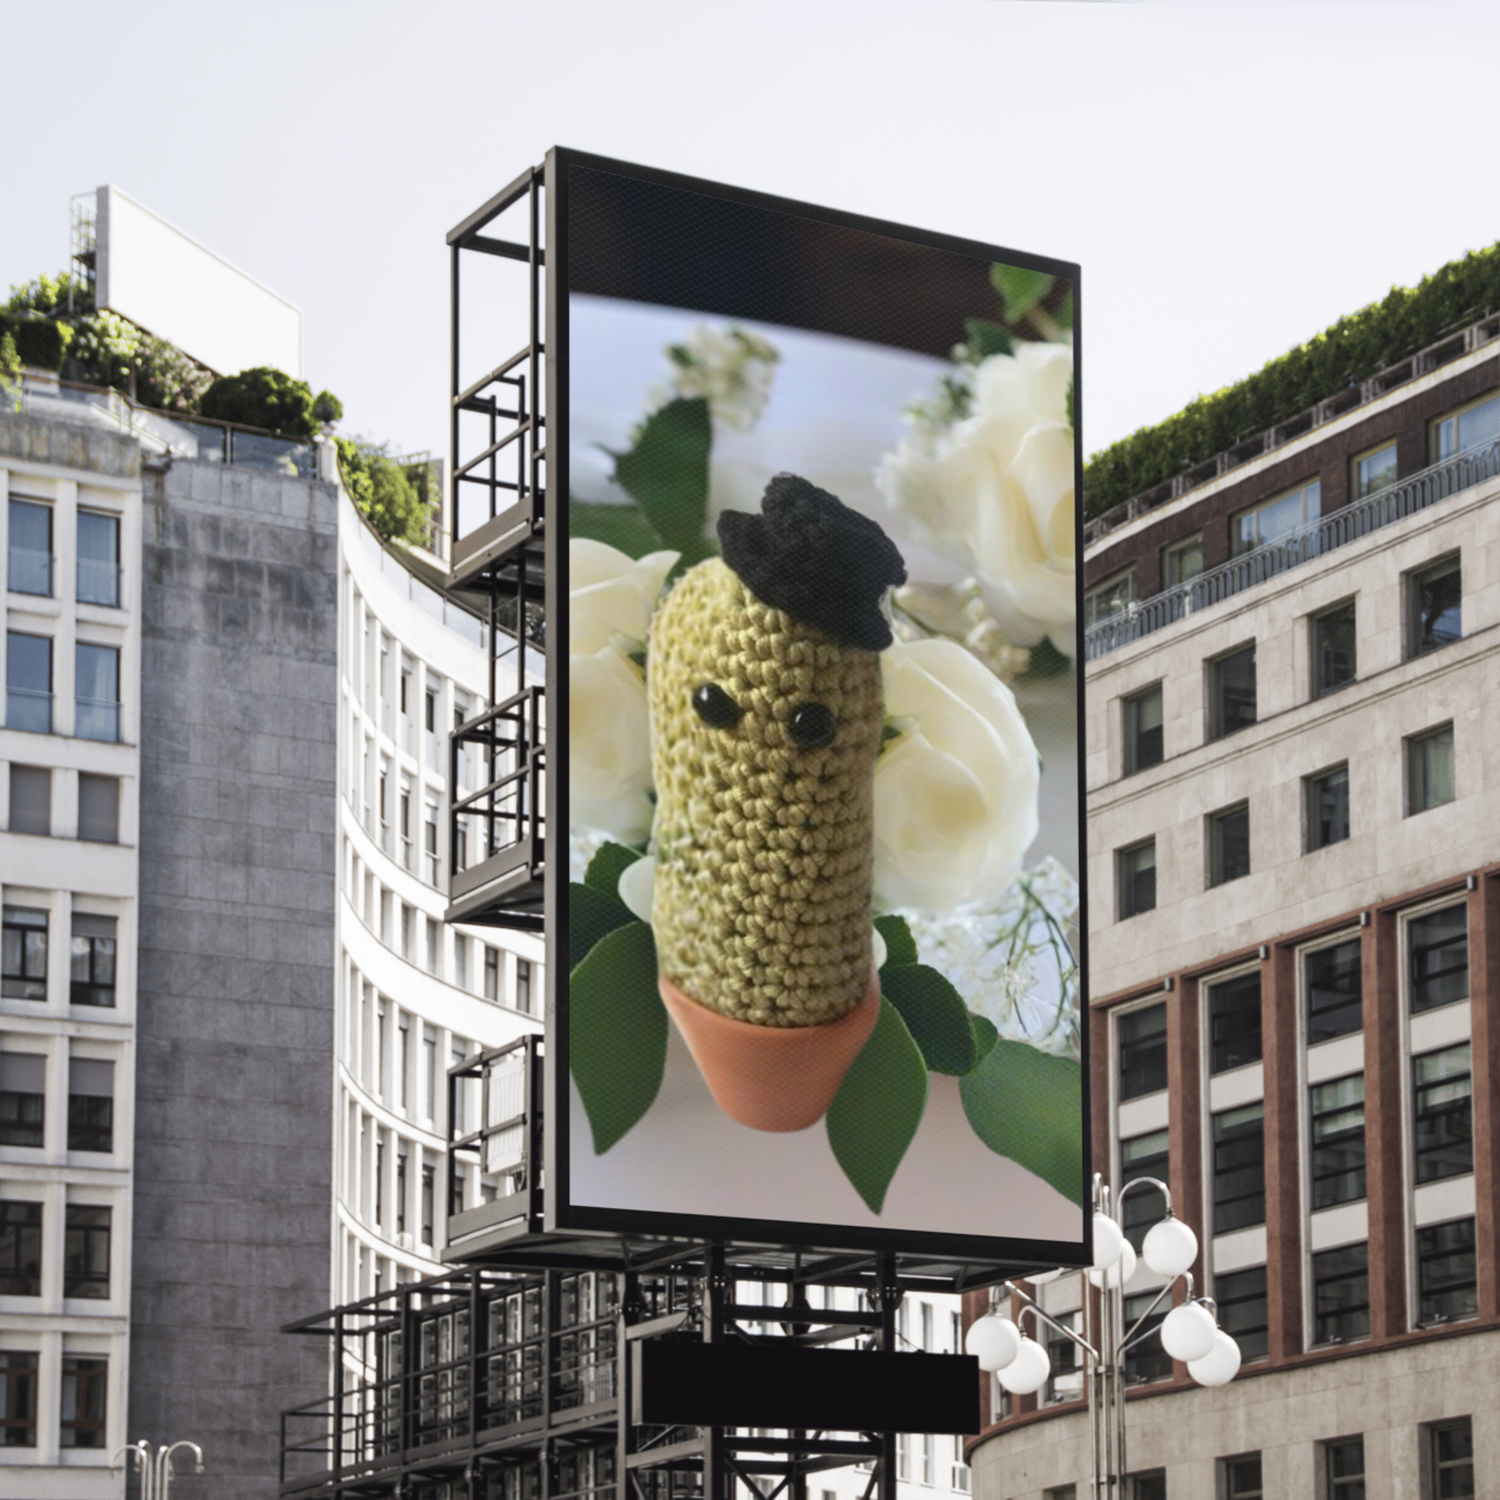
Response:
column 98, row 808
column 430, row 837
column 1337, row 1168
column 523, row 986
column 1443, row 1104
column 1429, row 770
column 1142, row 1156
column 1327, row 808
column 30, row 799
column 1143, row 715
column 98, row 559
column 1373, row 472
column 1344, row 1463
column 20, row 1248
column 1234, row 1022
column 1434, row 607
column 98, row 693
column 84, row 1382
column 1241, row 1296
column 1231, row 693
column 1135, row 875
column 1469, row 428
column 23, row 954
column 1239, row 1168
column 92, row 979
column 1335, row 1004
column 91, row 1105
column 1229, row 844
column 491, row 973
column 1439, row 943
column 1341, row 1294
column 1183, row 562
column 23, row 1098
column 1242, row 1478
column 1335, row 653
column 1447, row 1285
column 427, row 1203
column 30, row 563
column 1109, row 599
column 401, row 1192
column 86, row 1252
column 28, row 682
column 1065, row 1382
column 1143, row 1051
column 1452, row 1460
column 1152, row 1486
column 17, row 1398
column 1268, row 523
column 1147, row 1360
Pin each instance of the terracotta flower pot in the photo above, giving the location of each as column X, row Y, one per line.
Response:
column 772, row 1077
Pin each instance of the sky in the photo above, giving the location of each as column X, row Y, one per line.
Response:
column 1231, row 178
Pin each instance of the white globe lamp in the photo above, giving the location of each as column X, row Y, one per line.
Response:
column 1220, row 1365
column 1120, row 1272
column 993, row 1341
column 1187, row 1332
column 1170, row 1248
column 1108, row 1241
column 1028, row 1371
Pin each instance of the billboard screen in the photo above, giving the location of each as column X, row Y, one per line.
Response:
column 167, row 283
column 822, row 730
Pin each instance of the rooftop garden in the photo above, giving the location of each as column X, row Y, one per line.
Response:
column 1352, row 350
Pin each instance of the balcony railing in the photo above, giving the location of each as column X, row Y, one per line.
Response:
column 1348, row 524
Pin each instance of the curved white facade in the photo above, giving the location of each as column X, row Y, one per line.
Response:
column 414, row 995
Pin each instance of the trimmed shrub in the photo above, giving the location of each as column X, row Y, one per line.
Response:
column 263, row 397
column 1352, row 350
column 327, row 408
column 383, row 491
column 103, row 350
column 40, row 342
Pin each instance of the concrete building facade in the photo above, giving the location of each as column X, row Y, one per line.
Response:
column 1293, row 688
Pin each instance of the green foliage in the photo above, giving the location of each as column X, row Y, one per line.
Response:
column 900, row 945
column 10, row 372
column 1020, row 290
column 934, row 1014
column 1028, row 1105
column 591, row 915
column 875, row 1114
column 40, row 342
column 383, row 491
column 666, row 473
column 617, row 1032
column 986, row 1034
column 104, row 348
column 49, row 294
column 327, row 408
column 263, row 397
column 1352, row 350
column 608, row 864
column 166, row 378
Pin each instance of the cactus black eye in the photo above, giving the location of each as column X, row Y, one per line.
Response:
column 812, row 725
column 715, row 707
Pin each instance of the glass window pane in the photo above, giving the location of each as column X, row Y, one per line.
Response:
column 1334, row 649
column 1480, row 424
column 1142, row 1156
column 1241, row 1296
column 28, row 683
column 1232, row 693
column 99, row 808
column 1143, row 730
column 1443, row 1106
column 1143, row 1051
column 1137, row 879
column 1430, row 770
column 1334, row 997
column 1234, row 1022
column 1337, row 1165
column 1239, row 1167
column 1229, row 845
column 1327, row 808
column 98, row 693
column 1184, row 562
column 1375, row 472
column 1447, row 1282
column 1436, row 603
column 30, row 799
column 98, row 559
column 1341, row 1294
column 1439, row 944
column 30, row 562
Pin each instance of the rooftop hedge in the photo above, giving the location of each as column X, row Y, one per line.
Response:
column 1352, row 350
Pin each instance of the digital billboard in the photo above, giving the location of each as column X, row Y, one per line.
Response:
column 822, row 727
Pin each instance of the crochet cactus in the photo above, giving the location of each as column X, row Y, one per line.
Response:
column 766, row 716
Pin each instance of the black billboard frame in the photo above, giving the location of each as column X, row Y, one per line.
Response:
column 561, row 1215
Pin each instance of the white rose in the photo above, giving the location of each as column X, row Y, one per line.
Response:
column 610, row 598
column 610, row 594
column 956, row 794
column 997, row 487
column 609, row 745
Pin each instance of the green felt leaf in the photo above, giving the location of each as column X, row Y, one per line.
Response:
column 900, row 945
column 1047, row 661
column 606, row 867
column 1028, row 1105
column 1019, row 288
column 617, row 1032
column 591, row 916
column 985, row 1036
column 1064, row 314
column 667, row 471
column 621, row 526
column 879, row 1105
column 986, row 338
column 935, row 1014
column 1072, row 420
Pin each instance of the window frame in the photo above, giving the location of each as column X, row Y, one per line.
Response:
column 18, row 1372
column 1416, row 641
column 1158, row 1164
column 1434, row 427
column 109, row 710
column 1335, row 1142
column 1304, row 986
column 1421, row 1153
column 1208, row 988
column 1127, row 896
column 92, row 985
column 1315, row 483
column 1130, row 705
column 1217, row 719
column 1437, row 1465
column 1217, row 854
column 45, row 697
column 1409, row 921
column 1316, row 1317
column 1126, row 577
column 1221, row 1170
column 90, row 1375
column 1322, row 686
column 49, row 563
column 1356, row 493
column 22, row 982
column 1312, row 817
column 1422, row 1260
column 81, row 1241
column 21, row 1247
column 1343, row 1486
column 1226, row 1300
column 1410, row 747
column 113, row 518
column 1146, row 1042
column 1169, row 555
column 1240, row 1486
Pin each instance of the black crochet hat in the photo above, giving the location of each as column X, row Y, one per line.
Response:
column 809, row 554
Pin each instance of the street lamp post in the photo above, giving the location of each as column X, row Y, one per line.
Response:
column 1190, row 1332
column 157, row 1469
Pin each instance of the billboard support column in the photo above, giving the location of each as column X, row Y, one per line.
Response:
column 718, row 1293
column 888, row 1295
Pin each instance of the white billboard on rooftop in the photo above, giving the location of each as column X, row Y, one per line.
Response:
column 163, row 280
